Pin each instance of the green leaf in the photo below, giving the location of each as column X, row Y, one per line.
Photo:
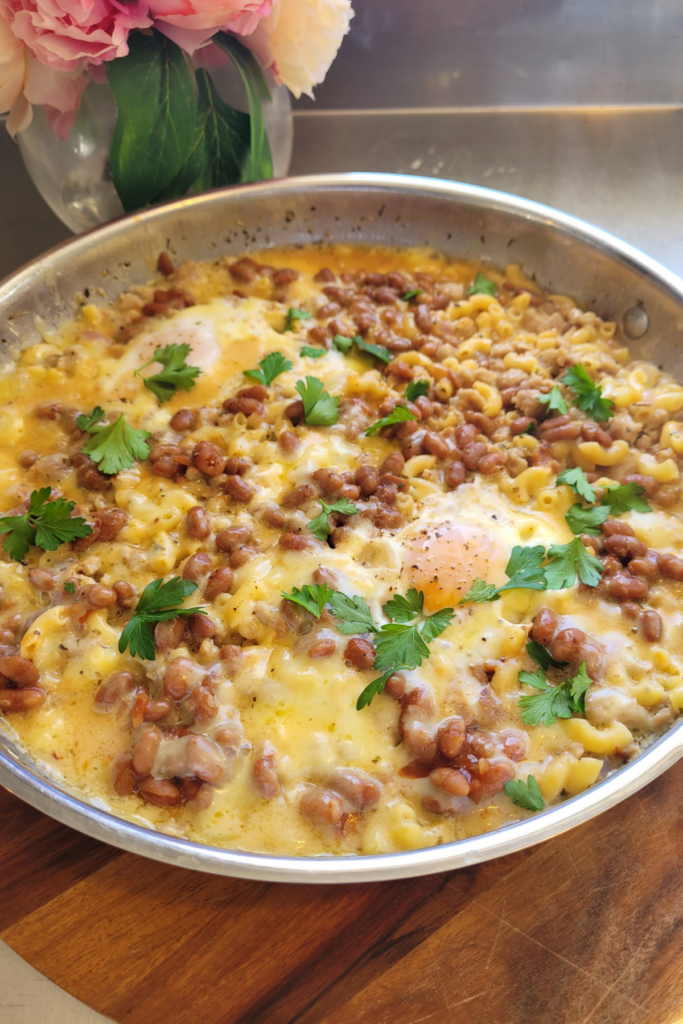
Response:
column 156, row 113
column 411, row 295
column 259, row 163
column 588, row 394
column 525, row 794
column 536, row 679
column 344, row 344
column 271, row 367
column 378, row 351
column 176, row 373
column 479, row 591
column 353, row 613
column 85, row 423
column 155, row 605
column 21, row 536
column 313, row 598
column 554, row 401
column 566, row 561
column 587, row 520
column 294, row 315
column 116, row 446
column 372, row 690
column 399, row 645
column 483, row 286
column 436, row 623
column 313, row 353
column 320, row 408
column 47, row 524
column 578, row 685
column 543, row 708
column 139, row 636
column 320, row 526
column 524, row 569
column 540, row 654
column 158, row 596
column 415, row 389
column 530, row 429
column 405, row 609
column 576, row 479
column 224, row 138
column 400, row 414
column 624, row 498
column 69, row 587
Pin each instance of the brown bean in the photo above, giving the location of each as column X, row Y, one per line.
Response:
column 156, row 710
column 451, row 737
column 197, row 566
column 98, row 596
column 611, row 565
column 126, row 594
column 407, row 429
column 25, row 699
column 322, row 806
column 669, row 566
column 652, row 626
column 169, row 634
column 219, row 582
column 322, row 648
column 295, row 411
column 387, row 518
column 544, row 626
column 165, row 264
column 328, row 480
column 454, row 475
column 207, row 459
column 490, row 781
column 239, row 489
column 231, row 657
column 360, row 653
column 625, row 547
column 285, row 277
column 568, row 645
column 205, row 759
column 624, row 586
column 113, row 689
column 203, row 704
column 395, row 686
column 324, row 274
column 90, row 478
column 48, row 410
column 647, row 482
column 243, row 271
column 183, row 419
column 473, row 454
column 42, row 579
column 450, row 780
column 257, row 391
column 590, row 431
column 484, row 424
column 434, row 444
column 264, row 773
column 298, row 496
column 247, row 406
column 520, row 425
column 295, row 542
column 123, row 776
column 350, row 491
column 394, row 464
column 565, row 432
column 233, row 537
column 27, row 458
column 423, row 318
column 367, row 479
column 236, row 465
column 179, row 676
column 288, row 441
column 491, row 463
column 200, row 625
column 466, row 435
column 197, row 523
column 165, row 467
column 20, row 670
column 146, row 750
column 629, row 609
column 358, row 788
column 645, row 567
column 151, row 309
column 614, row 526
column 160, row 792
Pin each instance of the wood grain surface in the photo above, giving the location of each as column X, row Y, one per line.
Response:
column 584, row 929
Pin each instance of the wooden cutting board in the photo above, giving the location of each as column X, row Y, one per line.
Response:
column 584, row 929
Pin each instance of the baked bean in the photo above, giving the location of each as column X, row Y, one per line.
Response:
column 165, row 467
column 242, row 272
column 219, row 582
column 423, row 318
column 454, row 476
column 42, row 579
column 451, row 737
column 624, row 546
column 322, row 648
column 200, row 625
column 360, row 653
column 288, row 441
column 645, row 567
column 264, row 773
column 146, row 750
column 544, row 626
column 20, row 670
column 242, row 555
column 568, row 645
column 395, row 686
column 424, row 405
column 350, row 491
column 25, row 699
column 434, row 444
column 233, row 537
column 613, row 526
column 126, row 594
column 156, row 710
column 273, row 516
column 236, row 465
column 394, row 463
column 323, row 575
column 629, row 609
column 407, row 429
column 285, row 277
column 151, row 309
column 48, row 410
column 123, row 776
column 169, row 634
column 203, row 704
column 322, row 806
column 669, row 566
column 367, row 479
column 491, row 463
column 27, row 458
column 247, row 406
column 165, row 264
column 564, row 432
column 328, row 479
column 179, row 676
column 90, row 478
column 239, row 489
column 490, row 781
column 624, row 586
column 231, row 658
column 337, row 294
column 205, row 759
column 419, row 740
column 330, row 310
column 652, row 626
column 610, row 565
column 325, row 274
column 295, row 542
column 590, row 431
column 473, row 454
column 299, row 496
column 594, row 543
column 229, row 738
column 649, row 484
column 207, row 459
column 160, row 792
column 197, row 523
column 466, row 435
column 257, row 391
column 515, row 744
column 520, row 425
column 413, row 448
column 197, row 566
column 113, row 689
column 358, row 788
column 450, row 780
column 400, row 370
column 387, row 518
column 484, row 424
column 184, row 419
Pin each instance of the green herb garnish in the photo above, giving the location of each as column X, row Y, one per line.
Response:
column 293, row 315
column 587, row 520
column 541, row 655
column 271, row 367
column 400, row 414
column 313, row 598
column 525, row 794
column 47, row 524
column 411, row 294
column 320, row 526
column 524, row 570
column 320, row 408
column 175, row 374
column 115, row 446
column 415, row 389
column 576, row 479
column 155, row 605
column 483, row 286
column 588, row 394
column 624, row 498
column 69, row 587
column 554, row 401
column 310, row 352
column 569, row 559
column 353, row 614
column 553, row 702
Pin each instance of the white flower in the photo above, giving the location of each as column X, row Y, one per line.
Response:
column 299, row 40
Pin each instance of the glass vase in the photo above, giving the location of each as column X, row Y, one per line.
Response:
column 74, row 177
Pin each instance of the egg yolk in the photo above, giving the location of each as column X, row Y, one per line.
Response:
column 444, row 560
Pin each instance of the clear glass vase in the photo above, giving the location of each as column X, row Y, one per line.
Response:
column 74, row 176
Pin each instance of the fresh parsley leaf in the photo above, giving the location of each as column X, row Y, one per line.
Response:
column 525, row 794
column 293, row 315
column 524, row 570
column 624, row 498
column 69, row 587
column 544, row 707
column 400, row 414
column 411, row 294
column 310, row 352
column 313, row 598
column 47, row 524
column 86, row 422
column 554, row 401
column 176, row 372
column 569, row 559
column 399, row 645
column 116, row 446
column 540, row 654
column 587, row 520
column 343, row 343
column 480, row 591
column 320, row 408
column 372, row 690
column 576, row 479
column 483, row 286
column 436, row 624
column 271, row 367
column 578, row 685
column 353, row 613
column 156, row 604
column 530, row 429
column 320, row 526
column 415, row 389
column 378, row 351
column 536, row 679
column 405, row 609
column 588, row 394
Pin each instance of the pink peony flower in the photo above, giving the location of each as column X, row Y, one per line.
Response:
column 65, row 34
column 190, row 23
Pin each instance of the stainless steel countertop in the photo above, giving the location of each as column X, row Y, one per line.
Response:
column 619, row 168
